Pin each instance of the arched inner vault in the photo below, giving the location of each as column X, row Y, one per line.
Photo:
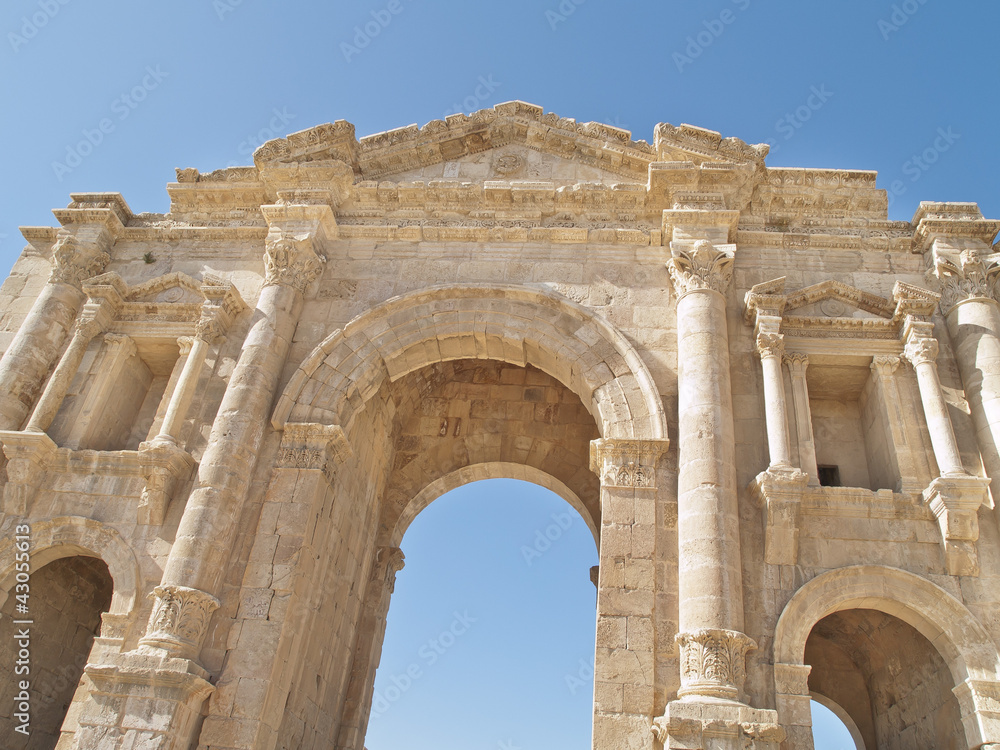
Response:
column 515, row 324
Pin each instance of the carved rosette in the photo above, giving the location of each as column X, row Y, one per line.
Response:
column 703, row 266
column 305, row 445
column 713, row 662
column 179, row 621
column 627, row 463
column 291, row 261
column 74, row 263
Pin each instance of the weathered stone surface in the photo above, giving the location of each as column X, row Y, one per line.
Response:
column 777, row 411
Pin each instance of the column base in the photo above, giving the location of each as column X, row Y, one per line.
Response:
column 706, row 724
column 143, row 700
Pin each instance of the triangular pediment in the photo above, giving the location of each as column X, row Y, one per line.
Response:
column 501, row 138
column 834, row 299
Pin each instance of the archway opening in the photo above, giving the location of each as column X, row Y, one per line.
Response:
column 490, row 635
column 66, row 600
column 833, row 727
column 887, row 678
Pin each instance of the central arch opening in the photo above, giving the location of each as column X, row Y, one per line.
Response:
column 491, row 630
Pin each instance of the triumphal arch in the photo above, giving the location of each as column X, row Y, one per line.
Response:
column 777, row 410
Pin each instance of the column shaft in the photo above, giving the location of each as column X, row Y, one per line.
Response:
column 938, row 421
column 183, row 394
column 55, row 390
column 776, row 413
column 198, row 556
column 797, row 364
column 710, row 577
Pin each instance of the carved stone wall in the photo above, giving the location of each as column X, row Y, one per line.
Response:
column 775, row 408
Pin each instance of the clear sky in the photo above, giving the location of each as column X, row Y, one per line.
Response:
column 112, row 96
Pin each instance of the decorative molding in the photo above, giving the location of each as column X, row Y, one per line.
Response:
column 305, row 445
column 627, row 463
column 701, row 266
column 179, row 621
column 713, row 663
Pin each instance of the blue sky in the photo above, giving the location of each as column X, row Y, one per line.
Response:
column 115, row 95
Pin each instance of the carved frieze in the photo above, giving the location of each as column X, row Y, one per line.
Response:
column 627, row 463
column 318, row 447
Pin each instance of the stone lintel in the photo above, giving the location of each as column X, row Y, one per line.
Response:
column 779, row 493
column 627, row 462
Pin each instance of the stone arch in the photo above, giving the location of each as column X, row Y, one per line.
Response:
column 960, row 639
column 516, row 324
column 492, row 470
column 66, row 536
column 846, row 719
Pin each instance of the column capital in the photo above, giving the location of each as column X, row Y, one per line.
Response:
column 921, row 347
column 179, row 621
column 627, row 462
column 797, row 362
column 184, row 344
column 770, row 345
column 297, row 235
column 222, row 305
column 713, row 663
column 700, row 265
column 75, row 261
column 884, row 365
column 388, row 562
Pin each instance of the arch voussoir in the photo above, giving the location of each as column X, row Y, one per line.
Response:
column 518, row 325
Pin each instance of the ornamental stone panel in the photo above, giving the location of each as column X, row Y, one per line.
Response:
column 777, row 411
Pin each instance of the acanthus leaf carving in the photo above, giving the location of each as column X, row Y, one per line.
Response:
column 179, row 621
column 627, row 463
column 702, row 266
column 290, row 260
column 713, row 662
column 965, row 276
column 74, row 263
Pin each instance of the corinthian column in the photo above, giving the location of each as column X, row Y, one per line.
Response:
column 81, row 250
column 710, row 576
column 710, row 709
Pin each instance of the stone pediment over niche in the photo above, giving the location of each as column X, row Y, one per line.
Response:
column 487, row 140
column 834, row 299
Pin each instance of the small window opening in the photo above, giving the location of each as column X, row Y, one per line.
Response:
column 829, row 476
